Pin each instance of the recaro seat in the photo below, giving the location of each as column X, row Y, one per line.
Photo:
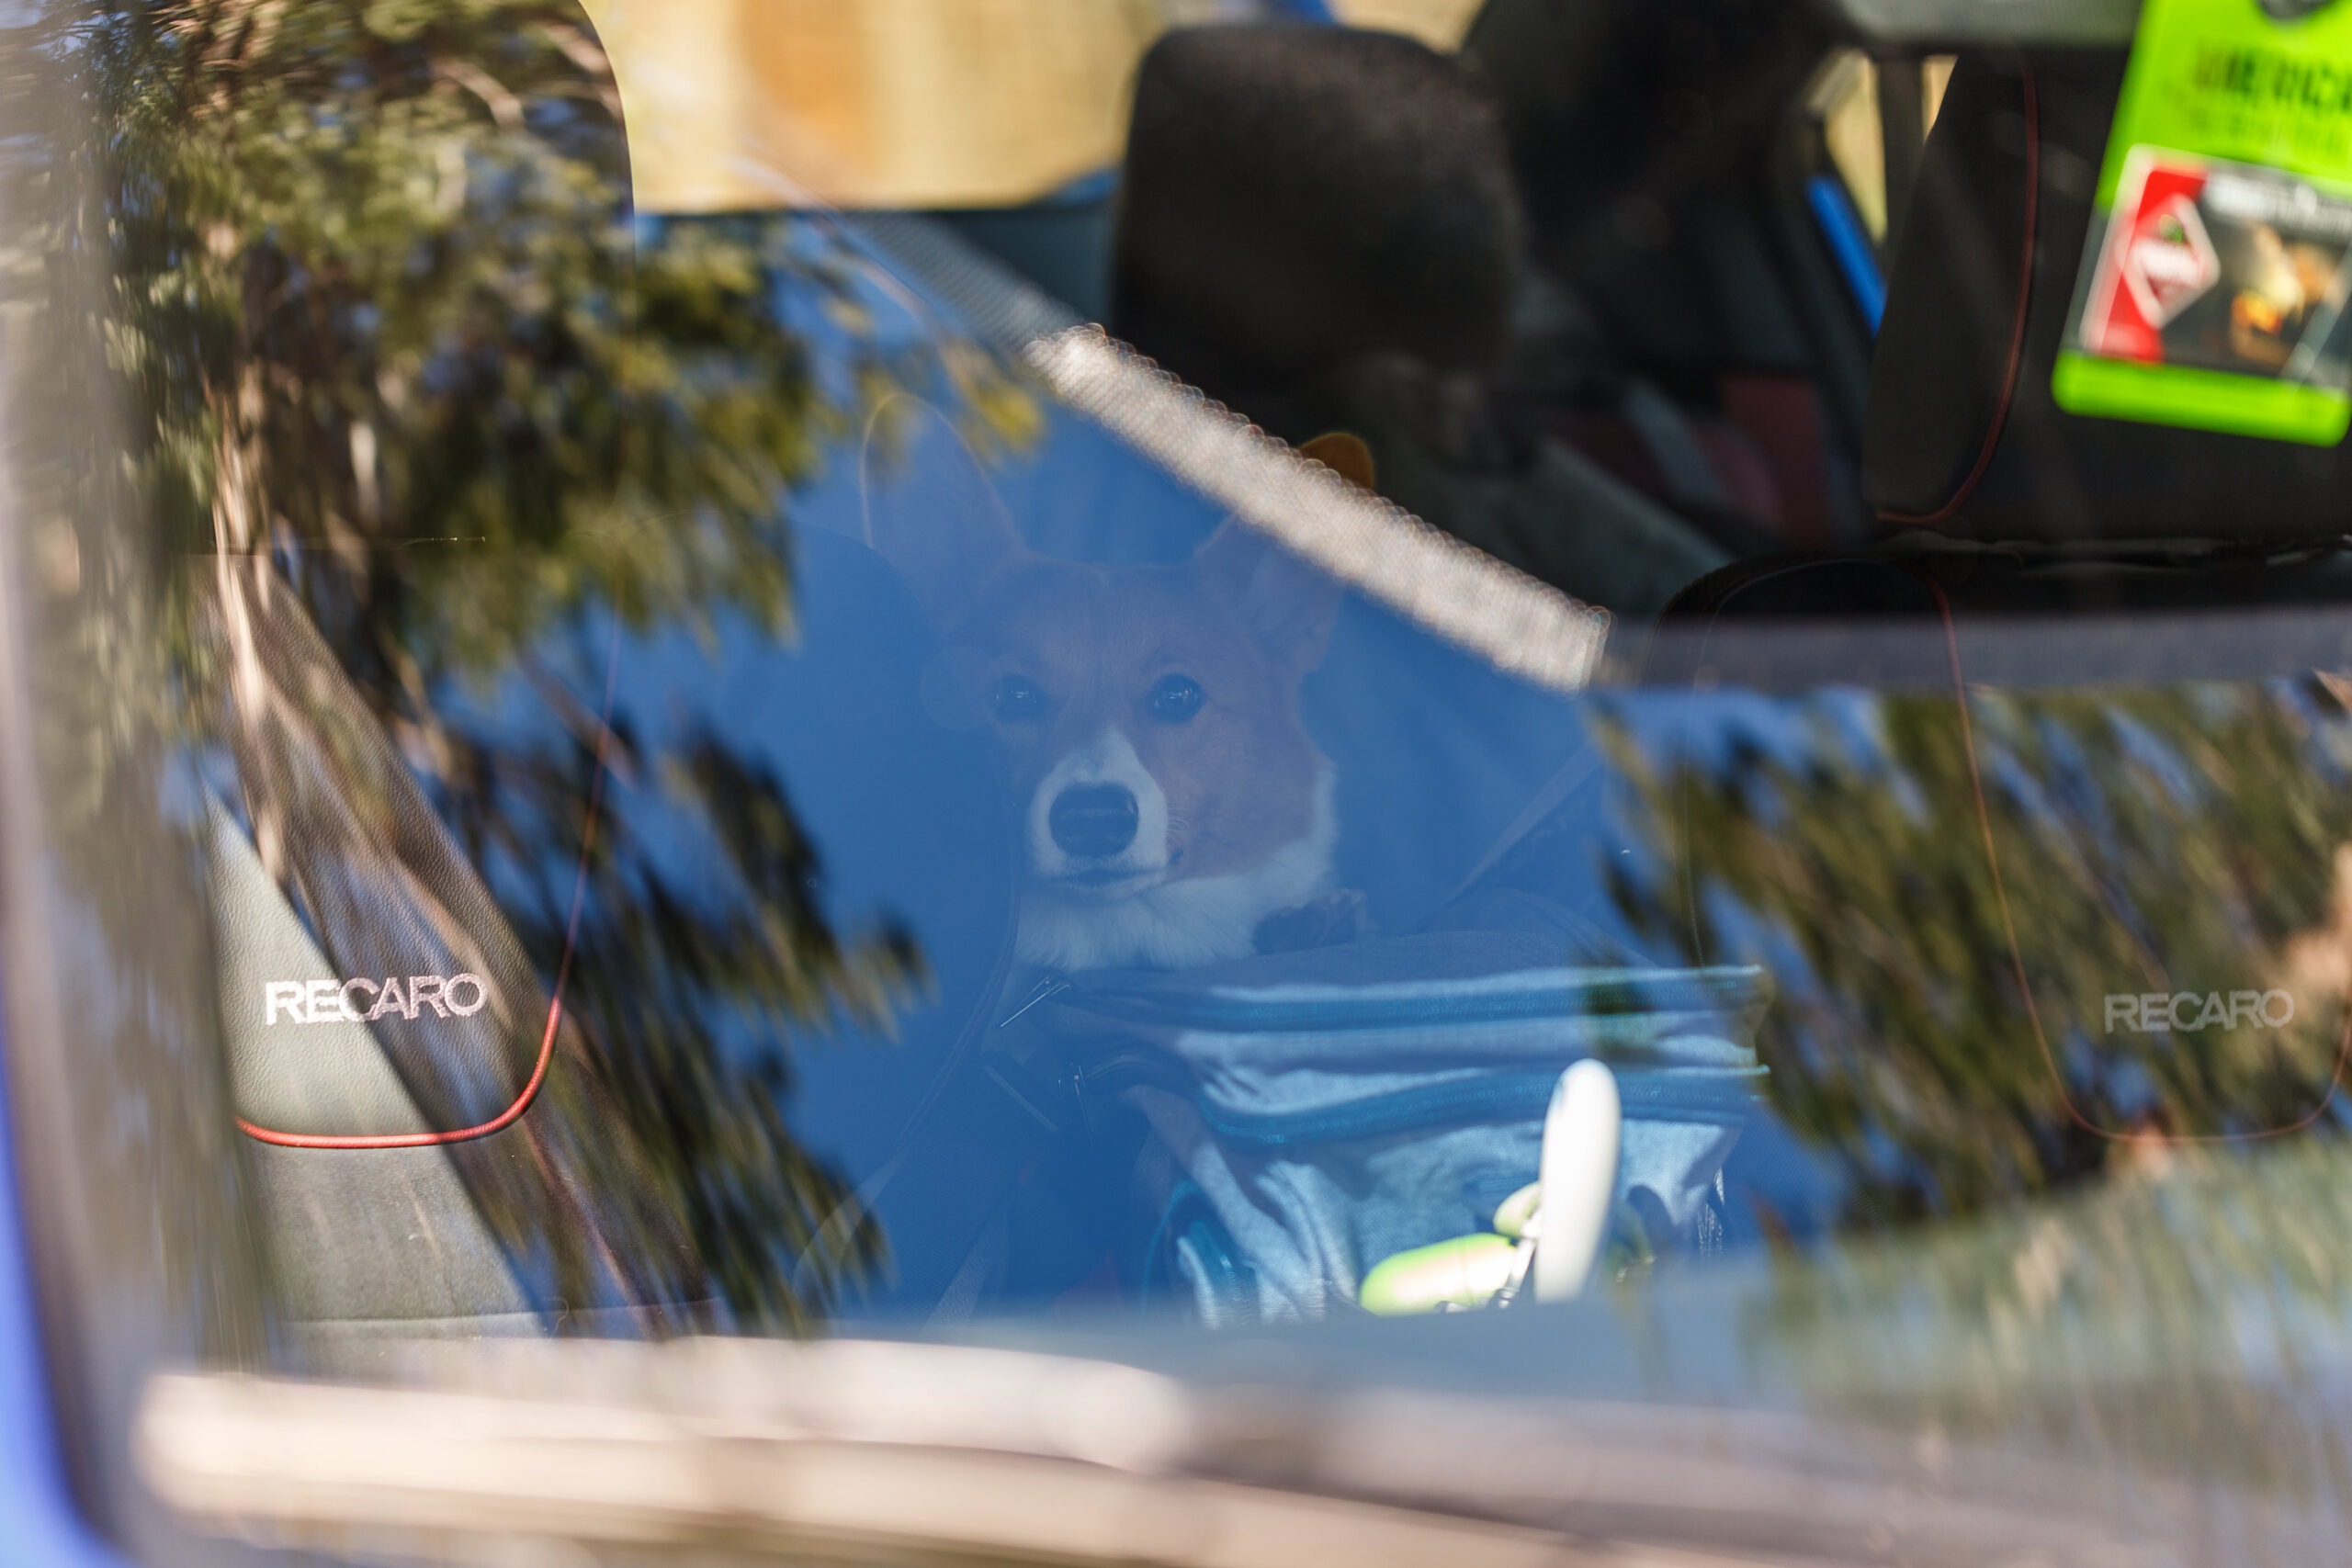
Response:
column 470, row 1236
column 380, row 1225
column 1963, row 435
column 1965, row 452
column 414, row 1236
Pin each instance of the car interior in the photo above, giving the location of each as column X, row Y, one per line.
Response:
column 1617, row 293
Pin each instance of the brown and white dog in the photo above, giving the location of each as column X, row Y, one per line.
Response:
column 1171, row 798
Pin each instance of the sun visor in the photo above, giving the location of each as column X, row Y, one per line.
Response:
column 1964, row 434
column 1958, row 23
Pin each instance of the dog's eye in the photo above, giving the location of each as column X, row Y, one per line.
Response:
column 1016, row 700
column 1175, row 699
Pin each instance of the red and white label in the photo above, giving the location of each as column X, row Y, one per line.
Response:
column 2159, row 259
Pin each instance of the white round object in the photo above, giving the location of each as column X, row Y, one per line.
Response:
column 1579, row 1178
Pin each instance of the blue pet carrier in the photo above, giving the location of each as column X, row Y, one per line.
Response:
column 1311, row 1115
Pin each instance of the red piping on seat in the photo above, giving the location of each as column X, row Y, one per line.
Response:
column 1945, row 513
column 420, row 1140
column 2016, row 953
column 513, row 1112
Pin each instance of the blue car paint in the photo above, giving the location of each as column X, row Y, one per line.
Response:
column 39, row 1525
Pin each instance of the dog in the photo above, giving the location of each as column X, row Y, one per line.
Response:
column 1172, row 806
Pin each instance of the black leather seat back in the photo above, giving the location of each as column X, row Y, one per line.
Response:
column 1962, row 435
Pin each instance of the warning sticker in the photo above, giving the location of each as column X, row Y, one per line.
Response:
column 2214, row 286
column 2227, row 266
column 2160, row 262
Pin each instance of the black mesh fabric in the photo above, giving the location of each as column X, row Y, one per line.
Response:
column 1295, row 197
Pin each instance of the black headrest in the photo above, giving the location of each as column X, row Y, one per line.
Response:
column 1961, row 435
column 1294, row 195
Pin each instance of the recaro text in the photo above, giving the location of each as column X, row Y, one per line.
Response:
column 333, row 1001
column 2187, row 1012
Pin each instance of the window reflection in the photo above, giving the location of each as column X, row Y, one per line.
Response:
column 915, row 847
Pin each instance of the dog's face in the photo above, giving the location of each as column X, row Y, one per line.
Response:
column 1171, row 797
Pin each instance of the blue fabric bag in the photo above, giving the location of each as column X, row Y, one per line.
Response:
column 1312, row 1114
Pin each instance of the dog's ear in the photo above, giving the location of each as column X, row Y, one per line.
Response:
column 1345, row 454
column 1287, row 604
column 931, row 511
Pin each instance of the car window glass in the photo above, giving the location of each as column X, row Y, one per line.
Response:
column 949, row 744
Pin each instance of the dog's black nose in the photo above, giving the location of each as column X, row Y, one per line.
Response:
column 1093, row 820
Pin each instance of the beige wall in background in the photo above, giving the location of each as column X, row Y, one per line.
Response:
column 1437, row 23
column 736, row 104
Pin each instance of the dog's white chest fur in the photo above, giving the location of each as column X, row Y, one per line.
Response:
column 1180, row 923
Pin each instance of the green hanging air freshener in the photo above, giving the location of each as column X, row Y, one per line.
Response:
column 2213, row 287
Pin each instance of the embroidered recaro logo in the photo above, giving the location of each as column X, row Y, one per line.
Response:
column 330, row 1002
column 2187, row 1012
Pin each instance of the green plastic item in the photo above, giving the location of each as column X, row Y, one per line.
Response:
column 1516, row 1212
column 1464, row 1272
column 2213, row 287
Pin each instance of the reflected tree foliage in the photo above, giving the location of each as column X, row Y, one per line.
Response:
column 2145, row 842
column 418, row 410
column 2185, row 1321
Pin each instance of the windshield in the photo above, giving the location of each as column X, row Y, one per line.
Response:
column 1191, row 669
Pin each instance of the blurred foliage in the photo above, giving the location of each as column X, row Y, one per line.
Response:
column 380, row 328
column 2148, row 841
column 2185, row 1318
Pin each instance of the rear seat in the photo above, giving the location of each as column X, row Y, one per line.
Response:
column 1319, row 227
